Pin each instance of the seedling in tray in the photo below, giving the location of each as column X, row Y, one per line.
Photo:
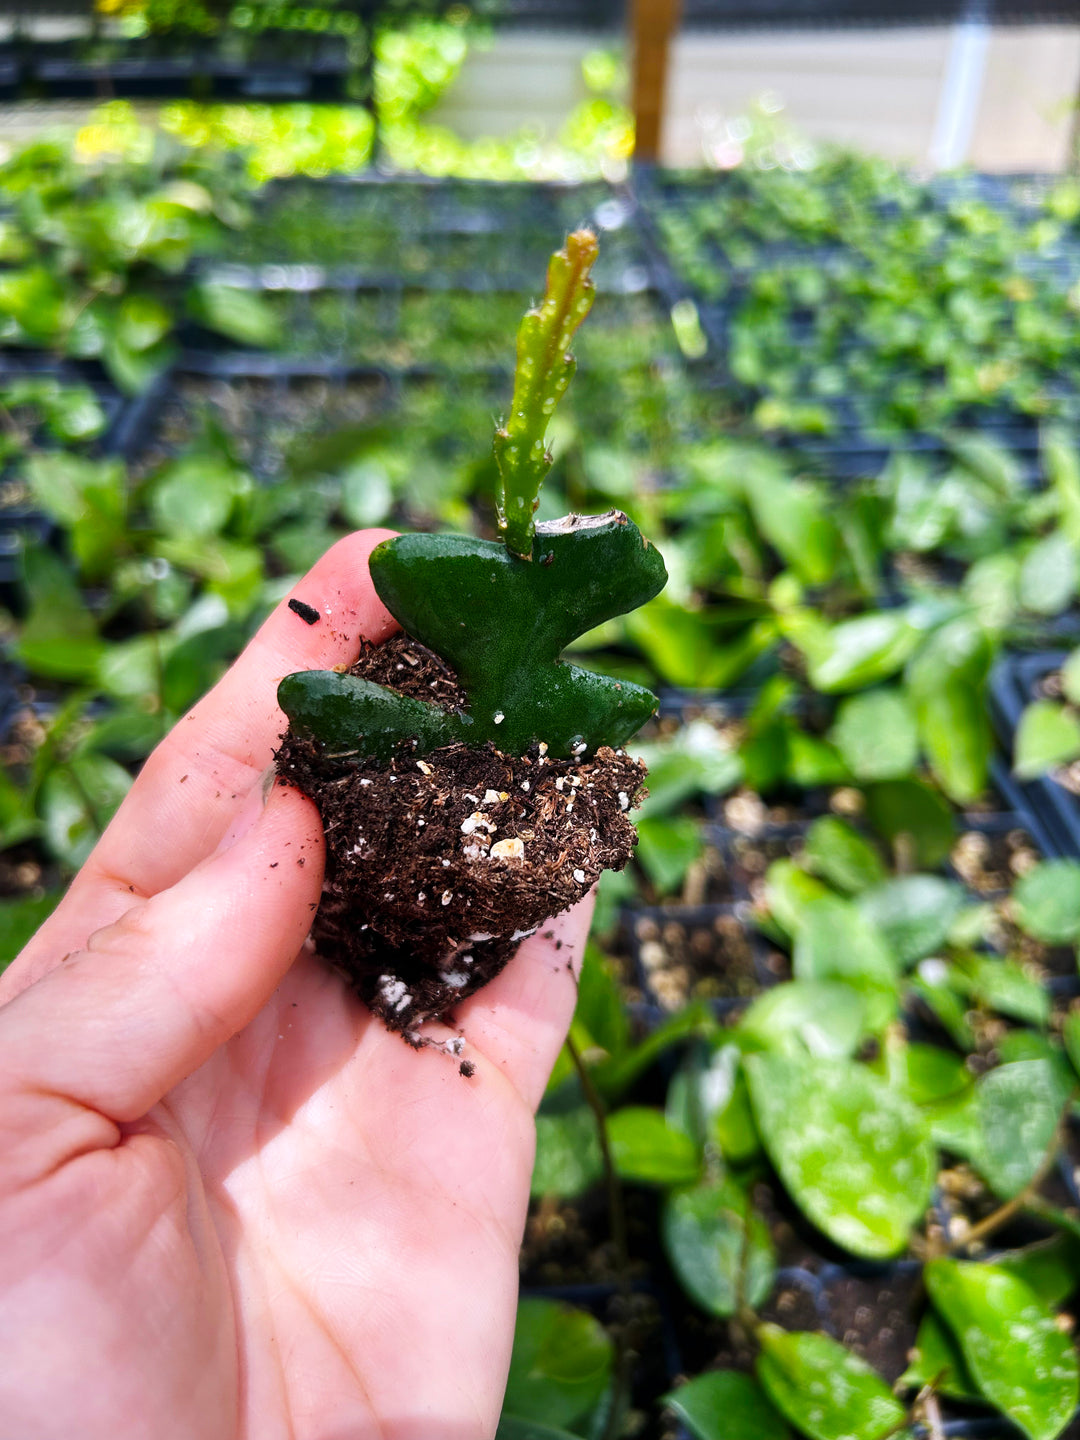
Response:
column 471, row 782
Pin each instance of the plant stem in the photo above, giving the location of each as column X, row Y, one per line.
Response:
column 617, row 1222
column 544, row 369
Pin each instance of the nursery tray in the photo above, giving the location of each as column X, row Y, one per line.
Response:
column 466, row 235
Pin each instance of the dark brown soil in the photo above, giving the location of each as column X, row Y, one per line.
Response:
column 876, row 1317
column 701, row 956
column 990, row 862
column 438, row 868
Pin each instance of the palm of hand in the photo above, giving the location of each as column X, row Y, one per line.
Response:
column 313, row 1234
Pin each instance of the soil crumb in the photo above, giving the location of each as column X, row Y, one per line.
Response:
column 437, row 868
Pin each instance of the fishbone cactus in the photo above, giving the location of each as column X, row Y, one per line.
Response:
column 501, row 612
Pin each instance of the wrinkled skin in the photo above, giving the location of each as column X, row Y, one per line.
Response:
column 231, row 1204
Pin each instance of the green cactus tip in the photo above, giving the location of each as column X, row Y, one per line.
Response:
column 544, row 369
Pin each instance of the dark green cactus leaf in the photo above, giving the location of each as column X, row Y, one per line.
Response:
column 544, row 369
column 354, row 717
column 501, row 624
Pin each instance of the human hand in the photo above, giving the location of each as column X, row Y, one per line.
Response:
column 231, row 1203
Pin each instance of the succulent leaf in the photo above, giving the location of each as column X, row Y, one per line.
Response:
column 501, row 624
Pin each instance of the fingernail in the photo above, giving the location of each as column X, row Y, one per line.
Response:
column 245, row 817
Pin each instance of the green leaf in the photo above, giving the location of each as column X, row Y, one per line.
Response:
column 134, row 370
column 646, row 1149
column 1051, row 1267
column 697, row 760
column 130, row 668
column 561, row 1363
column 20, row 920
column 77, row 802
column 521, row 615
column 788, row 891
column 568, row 1159
column 1019, row 1106
column 59, row 637
column 242, row 315
column 926, row 1073
column 142, row 321
column 1046, row 901
column 858, row 653
column 840, row 855
column 800, row 1017
column 1003, row 985
column 512, row 1427
column 946, row 681
column 1048, row 734
column 544, row 370
column 667, row 846
column 1049, row 574
column 835, row 941
column 825, row 1391
column 194, row 495
column 914, row 819
column 600, row 1011
column 936, row 1359
column 955, row 732
column 853, row 1154
column 1014, row 1351
column 719, row 1247
column 913, row 913
column 792, row 516
column 876, row 735
column 725, row 1405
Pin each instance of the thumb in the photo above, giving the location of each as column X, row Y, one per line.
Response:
column 117, row 1025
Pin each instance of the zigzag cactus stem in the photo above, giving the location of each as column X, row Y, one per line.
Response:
column 544, row 369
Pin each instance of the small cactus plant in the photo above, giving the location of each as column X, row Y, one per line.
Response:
column 500, row 613
column 522, row 801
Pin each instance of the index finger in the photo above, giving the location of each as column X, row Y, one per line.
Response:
column 194, row 783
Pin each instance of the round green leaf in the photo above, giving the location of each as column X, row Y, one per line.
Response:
column 726, row 1405
column 875, row 733
column 819, row 1017
column 568, row 1159
column 824, row 1390
column 1048, row 734
column 854, row 1155
column 719, row 1247
column 914, row 818
column 1014, row 1350
column 1046, row 901
column 1019, row 1106
column 842, row 856
column 560, row 1364
column 645, row 1148
column 913, row 912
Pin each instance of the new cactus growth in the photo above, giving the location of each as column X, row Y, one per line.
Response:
column 471, row 781
column 500, row 614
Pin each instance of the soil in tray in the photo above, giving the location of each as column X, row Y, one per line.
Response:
column 989, row 857
column 873, row 1311
column 264, row 419
column 568, row 1242
column 707, row 955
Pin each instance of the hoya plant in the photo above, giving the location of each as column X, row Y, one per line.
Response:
column 471, row 781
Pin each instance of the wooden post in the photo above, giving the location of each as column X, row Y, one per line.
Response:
column 655, row 22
